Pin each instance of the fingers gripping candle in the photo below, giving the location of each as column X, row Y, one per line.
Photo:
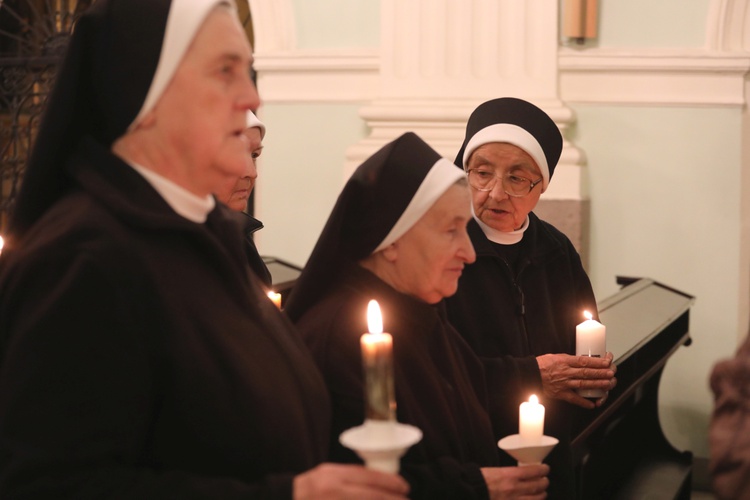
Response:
column 377, row 363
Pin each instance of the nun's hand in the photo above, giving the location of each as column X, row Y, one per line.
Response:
column 563, row 374
column 528, row 482
column 612, row 381
column 339, row 481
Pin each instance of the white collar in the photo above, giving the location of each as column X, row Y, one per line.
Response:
column 501, row 237
column 182, row 201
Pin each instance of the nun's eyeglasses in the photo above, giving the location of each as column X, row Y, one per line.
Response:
column 513, row 185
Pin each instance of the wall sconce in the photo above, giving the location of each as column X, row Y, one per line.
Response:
column 580, row 19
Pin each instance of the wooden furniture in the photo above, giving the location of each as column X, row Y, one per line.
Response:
column 620, row 449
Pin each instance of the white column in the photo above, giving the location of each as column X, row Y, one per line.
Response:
column 441, row 58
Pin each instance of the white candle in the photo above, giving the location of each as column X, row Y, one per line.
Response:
column 591, row 340
column 531, row 421
column 275, row 298
column 377, row 363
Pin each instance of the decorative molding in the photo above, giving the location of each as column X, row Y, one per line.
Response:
column 689, row 77
column 441, row 34
column 653, row 77
column 273, row 25
column 443, row 49
column 318, row 76
column 728, row 25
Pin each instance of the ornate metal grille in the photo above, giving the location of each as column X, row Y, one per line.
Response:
column 33, row 37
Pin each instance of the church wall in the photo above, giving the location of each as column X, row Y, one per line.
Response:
column 658, row 210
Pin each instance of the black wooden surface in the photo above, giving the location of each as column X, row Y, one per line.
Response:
column 620, row 449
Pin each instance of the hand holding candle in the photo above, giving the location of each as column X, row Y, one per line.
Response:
column 377, row 363
column 591, row 341
column 531, row 421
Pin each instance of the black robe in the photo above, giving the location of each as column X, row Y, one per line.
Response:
column 439, row 383
column 250, row 226
column 141, row 358
column 511, row 314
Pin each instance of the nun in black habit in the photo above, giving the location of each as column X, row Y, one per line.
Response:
column 139, row 356
column 397, row 234
column 236, row 192
column 519, row 303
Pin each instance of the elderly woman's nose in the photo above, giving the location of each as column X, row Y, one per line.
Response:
column 249, row 98
column 498, row 191
column 466, row 250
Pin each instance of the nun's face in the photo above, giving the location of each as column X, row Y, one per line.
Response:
column 430, row 257
column 236, row 192
column 495, row 208
column 201, row 116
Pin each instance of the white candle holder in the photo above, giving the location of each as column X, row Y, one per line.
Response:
column 381, row 444
column 524, row 452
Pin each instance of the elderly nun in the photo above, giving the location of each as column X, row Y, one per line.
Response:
column 397, row 234
column 140, row 357
column 235, row 193
column 520, row 302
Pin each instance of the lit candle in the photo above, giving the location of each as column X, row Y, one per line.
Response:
column 590, row 338
column 275, row 298
column 591, row 341
column 531, row 421
column 2, row 242
column 377, row 363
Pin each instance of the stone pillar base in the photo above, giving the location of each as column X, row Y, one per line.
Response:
column 571, row 217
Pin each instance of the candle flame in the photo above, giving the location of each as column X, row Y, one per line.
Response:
column 533, row 399
column 275, row 298
column 2, row 242
column 588, row 315
column 374, row 318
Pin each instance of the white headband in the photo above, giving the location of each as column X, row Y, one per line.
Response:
column 183, row 22
column 512, row 134
column 441, row 176
column 253, row 121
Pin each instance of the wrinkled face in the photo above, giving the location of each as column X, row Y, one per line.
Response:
column 200, row 118
column 235, row 192
column 495, row 208
column 430, row 257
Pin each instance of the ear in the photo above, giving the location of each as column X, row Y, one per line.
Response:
column 390, row 253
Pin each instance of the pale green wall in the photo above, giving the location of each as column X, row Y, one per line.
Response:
column 302, row 173
column 665, row 205
column 652, row 23
column 337, row 23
